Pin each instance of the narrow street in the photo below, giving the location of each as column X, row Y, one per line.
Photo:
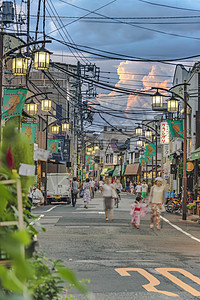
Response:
column 123, row 262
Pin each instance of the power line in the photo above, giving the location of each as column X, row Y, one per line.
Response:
column 137, row 26
column 169, row 6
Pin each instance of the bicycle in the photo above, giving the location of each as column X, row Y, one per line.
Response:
column 118, row 198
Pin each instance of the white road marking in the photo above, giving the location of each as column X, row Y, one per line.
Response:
column 50, row 209
column 181, row 230
column 85, row 212
column 41, row 216
column 127, row 251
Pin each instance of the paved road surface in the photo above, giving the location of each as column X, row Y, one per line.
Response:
column 123, row 262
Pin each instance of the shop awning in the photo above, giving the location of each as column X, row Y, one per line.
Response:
column 117, row 171
column 195, row 154
column 104, row 171
column 133, row 169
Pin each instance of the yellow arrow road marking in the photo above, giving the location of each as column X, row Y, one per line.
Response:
column 150, row 287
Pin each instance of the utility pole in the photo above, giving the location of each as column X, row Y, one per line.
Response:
column 1, row 79
column 156, row 142
column 184, row 217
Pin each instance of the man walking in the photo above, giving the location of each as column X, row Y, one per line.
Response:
column 74, row 191
column 92, row 185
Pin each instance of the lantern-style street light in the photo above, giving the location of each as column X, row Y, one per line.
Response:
column 139, row 143
column 46, row 105
column 42, row 59
column 88, row 153
column 96, row 148
column 172, row 104
column 148, row 134
column 31, row 108
column 55, row 129
column 65, row 127
column 157, row 100
column 19, row 65
column 138, row 131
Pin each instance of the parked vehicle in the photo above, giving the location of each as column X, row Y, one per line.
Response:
column 58, row 188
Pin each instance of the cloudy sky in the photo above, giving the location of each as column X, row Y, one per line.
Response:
column 152, row 29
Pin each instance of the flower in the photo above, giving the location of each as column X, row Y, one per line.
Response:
column 9, row 158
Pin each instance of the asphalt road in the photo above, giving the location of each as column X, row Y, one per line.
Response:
column 123, row 262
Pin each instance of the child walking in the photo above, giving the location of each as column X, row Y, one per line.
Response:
column 138, row 210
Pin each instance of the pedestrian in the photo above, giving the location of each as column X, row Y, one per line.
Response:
column 127, row 188
column 74, row 191
column 138, row 210
column 138, row 189
column 131, row 188
column 144, row 190
column 118, row 188
column 156, row 199
column 92, row 185
column 101, row 183
column 108, row 201
column 87, row 192
column 37, row 196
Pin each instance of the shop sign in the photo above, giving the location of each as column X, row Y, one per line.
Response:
column 164, row 133
column 41, row 154
column 166, row 150
column 190, row 166
column 114, row 159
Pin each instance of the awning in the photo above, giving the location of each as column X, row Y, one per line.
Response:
column 195, row 154
column 133, row 169
column 117, row 171
column 105, row 171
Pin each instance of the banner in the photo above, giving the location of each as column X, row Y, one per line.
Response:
column 150, row 149
column 53, row 146
column 88, row 160
column 142, row 162
column 13, row 102
column 147, row 158
column 29, row 131
column 164, row 133
column 176, row 128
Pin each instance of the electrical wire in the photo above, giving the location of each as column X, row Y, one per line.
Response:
column 137, row 26
column 169, row 6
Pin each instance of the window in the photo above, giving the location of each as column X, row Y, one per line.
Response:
column 111, row 158
column 137, row 155
column 107, row 158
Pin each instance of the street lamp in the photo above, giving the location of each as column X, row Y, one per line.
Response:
column 148, row 134
column 41, row 59
column 139, row 143
column 46, row 105
column 19, row 64
column 172, row 104
column 90, row 149
column 55, row 129
column 65, row 127
column 88, row 153
column 31, row 108
column 138, row 131
column 157, row 100
column 96, row 148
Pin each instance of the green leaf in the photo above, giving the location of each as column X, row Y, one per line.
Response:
column 70, row 276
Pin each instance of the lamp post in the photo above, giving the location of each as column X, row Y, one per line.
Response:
column 177, row 91
column 148, row 135
column 138, row 131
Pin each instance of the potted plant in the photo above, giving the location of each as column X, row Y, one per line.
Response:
column 190, row 207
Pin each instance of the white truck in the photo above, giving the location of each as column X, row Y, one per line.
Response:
column 58, row 187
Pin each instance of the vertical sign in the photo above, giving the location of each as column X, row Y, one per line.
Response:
column 164, row 133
